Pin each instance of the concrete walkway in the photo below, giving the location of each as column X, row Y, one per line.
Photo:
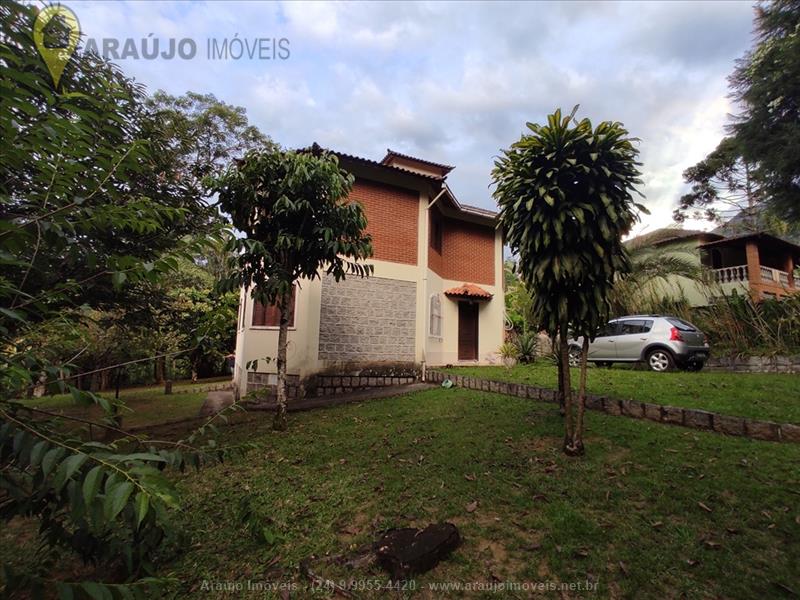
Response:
column 216, row 401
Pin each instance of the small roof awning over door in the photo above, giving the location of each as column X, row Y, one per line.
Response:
column 468, row 291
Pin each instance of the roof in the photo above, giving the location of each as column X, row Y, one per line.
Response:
column 315, row 148
column 760, row 236
column 469, row 290
column 466, row 209
column 668, row 235
column 391, row 153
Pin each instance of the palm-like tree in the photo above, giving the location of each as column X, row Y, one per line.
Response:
column 652, row 271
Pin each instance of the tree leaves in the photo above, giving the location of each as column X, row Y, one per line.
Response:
column 116, row 498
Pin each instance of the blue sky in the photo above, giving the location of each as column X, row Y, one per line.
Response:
column 455, row 82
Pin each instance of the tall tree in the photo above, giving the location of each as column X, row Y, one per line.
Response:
column 722, row 187
column 84, row 211
column 297, row 223
column 565, row 197
column 202, row 134
column 766, row 84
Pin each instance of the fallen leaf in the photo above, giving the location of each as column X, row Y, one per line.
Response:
column 691, row 562
column 704, row 507
column 470, row 477
column 712, row 544
column 657, row 524
column 581, row 553
column 624, row 568
column 472, row 506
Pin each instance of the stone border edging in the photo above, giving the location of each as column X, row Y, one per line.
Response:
column 660, row 413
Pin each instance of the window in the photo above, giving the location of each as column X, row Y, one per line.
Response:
column 435, row 325
column 609, row 329
column 436, row 232
column 681, row 324
column 634, row 326
column 269, row 315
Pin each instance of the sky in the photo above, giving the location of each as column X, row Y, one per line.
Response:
column 455, row 82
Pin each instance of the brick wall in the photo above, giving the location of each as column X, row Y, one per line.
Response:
column 467, row 252
column 369, row 319
column 392, row 219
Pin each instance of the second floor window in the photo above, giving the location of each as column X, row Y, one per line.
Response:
column 268, row 315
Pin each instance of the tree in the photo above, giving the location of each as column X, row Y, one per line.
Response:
column 649, row 268
column 759, row 155
column 722, row 187
column 565, row 197
column 293, row 211
column 202, row 134
column 84, row 212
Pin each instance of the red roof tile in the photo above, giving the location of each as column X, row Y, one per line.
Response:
column 469, row 290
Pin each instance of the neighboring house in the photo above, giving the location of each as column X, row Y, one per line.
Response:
column 757, row 264
column 435, row 296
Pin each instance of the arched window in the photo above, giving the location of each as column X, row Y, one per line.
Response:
column 435, row 323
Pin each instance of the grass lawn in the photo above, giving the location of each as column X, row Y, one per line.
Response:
column 148, row 405
column 767, row 396
column 651, row 511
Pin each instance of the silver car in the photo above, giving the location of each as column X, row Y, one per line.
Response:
column 661, row 342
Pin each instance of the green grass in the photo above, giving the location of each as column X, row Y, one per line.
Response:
column 148, row 405
column 628, row 515
column 767, row 396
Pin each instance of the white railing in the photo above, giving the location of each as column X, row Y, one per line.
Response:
column 770, row 275
column 729, row 274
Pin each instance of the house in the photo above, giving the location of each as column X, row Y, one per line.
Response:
column 435, row 296
column 757, row 264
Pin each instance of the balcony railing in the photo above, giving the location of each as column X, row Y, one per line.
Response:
column 768, row 275
column 776, row 276
column 729, row 274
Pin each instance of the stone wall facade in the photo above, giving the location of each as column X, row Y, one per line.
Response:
column 345, row 379
column 372, row 319
column 673, row 415
column 756, row 364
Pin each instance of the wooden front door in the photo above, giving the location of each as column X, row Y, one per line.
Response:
column 467, row 331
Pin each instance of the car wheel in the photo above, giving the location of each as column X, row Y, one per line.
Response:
column 660, row 360
column 574, row 356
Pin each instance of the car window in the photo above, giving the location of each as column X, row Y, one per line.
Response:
column 634, row 326
column 609, row 329
column 681, row 324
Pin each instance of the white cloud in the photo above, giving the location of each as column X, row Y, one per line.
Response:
column 455, row 82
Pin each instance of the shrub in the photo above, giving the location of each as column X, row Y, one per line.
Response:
column 527, row 345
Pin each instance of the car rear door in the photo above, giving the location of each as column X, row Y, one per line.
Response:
column 633, row 336
column 604, row 346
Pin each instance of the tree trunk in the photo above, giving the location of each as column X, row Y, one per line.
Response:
column 576, row 446
column 556, row 349
column 280, row 423
column 566, row 386
column 158, row 371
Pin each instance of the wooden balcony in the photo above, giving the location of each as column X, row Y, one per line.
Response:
column 759, row 263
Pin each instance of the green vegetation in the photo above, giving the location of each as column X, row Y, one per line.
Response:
column 565, row 194
column 305, row 227
column 142, row 405
column 767, row 396
column 650, row 510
